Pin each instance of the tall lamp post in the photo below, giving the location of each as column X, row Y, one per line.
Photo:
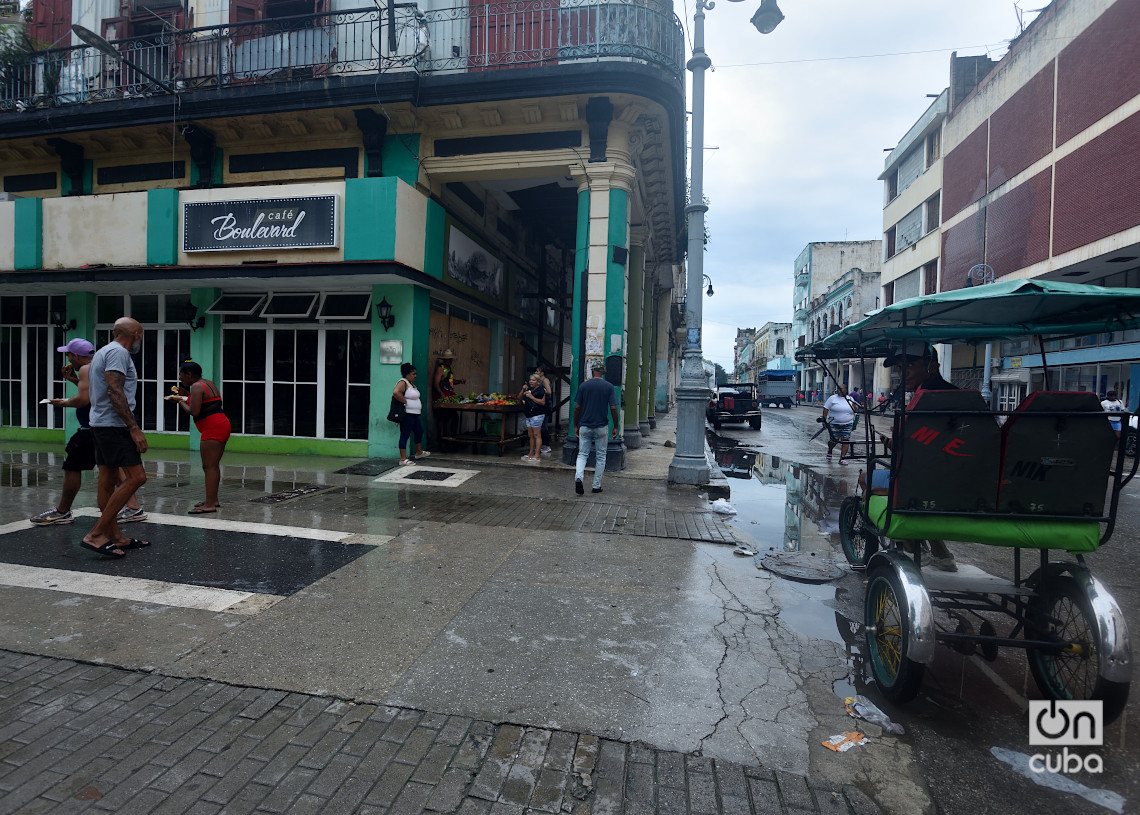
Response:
column 689, row 465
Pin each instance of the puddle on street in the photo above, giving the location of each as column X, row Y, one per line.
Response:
column 784, row 506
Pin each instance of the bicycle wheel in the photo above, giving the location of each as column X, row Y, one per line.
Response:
column 886, row 619
column 855, row 534
column 1062, row 613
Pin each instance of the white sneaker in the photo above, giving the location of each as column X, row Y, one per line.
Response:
column 544, row 449
column 406, row 462
column 127, row 515
column 52, row 516
column 424, row 454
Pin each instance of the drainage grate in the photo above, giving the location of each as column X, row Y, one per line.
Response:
column 372, row 466
column 289, row 495
column 424, row 475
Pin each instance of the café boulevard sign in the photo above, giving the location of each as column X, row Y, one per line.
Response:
column 305, row 222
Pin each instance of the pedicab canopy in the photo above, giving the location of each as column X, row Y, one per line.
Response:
column 988, row 313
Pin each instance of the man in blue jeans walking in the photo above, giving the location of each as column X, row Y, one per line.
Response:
column 592, row 420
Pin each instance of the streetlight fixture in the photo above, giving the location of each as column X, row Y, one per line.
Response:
column 689, row 465
column 100, row 44
column 709, row 290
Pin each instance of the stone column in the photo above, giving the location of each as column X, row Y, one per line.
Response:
column 661, row 369
column 648, row 335
column 631, row 430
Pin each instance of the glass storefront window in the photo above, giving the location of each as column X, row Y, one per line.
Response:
column 29, row 364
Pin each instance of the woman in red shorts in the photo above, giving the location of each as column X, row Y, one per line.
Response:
column 202, row 400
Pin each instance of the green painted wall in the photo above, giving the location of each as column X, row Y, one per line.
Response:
column 410, row 307
column 37, row 434
column 370, row 218
column 401, row 157
column 435, row 240
column 616, row 284
column 29, row 248
column 162, row 228
column 81, row 308
column 294, row 446
column 66, row 188
column 581, row 257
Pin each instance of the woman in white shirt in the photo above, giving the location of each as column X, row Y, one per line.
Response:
column 406, row 392
column 842, row 415
column 1112, row 404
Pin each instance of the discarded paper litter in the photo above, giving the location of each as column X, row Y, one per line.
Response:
column 723, row 507
column 844, row 741
column 860, row 707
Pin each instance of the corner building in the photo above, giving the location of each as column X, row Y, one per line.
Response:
column 302, row 196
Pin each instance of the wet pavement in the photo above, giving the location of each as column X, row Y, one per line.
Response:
column 468, row 635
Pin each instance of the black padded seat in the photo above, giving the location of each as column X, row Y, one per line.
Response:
column 1056, row 465
column 947, row 463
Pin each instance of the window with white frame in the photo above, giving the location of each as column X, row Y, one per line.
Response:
column 29, row 364
column 308, row 382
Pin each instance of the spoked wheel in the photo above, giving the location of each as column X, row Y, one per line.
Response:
column 858, row 539
column 885, row 614
column 1062, row 613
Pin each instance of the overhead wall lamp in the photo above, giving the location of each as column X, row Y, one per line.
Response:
column 767, row 17
column 384, row 314
column 193, row 319
column 709, row 290
column 59, row 319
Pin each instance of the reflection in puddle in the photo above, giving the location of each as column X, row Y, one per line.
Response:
column 785, row 506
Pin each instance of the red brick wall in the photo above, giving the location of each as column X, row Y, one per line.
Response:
column 964, row 172
column 1097, row 188
column 1017, row 225
column 962, row 248
column 1021, row 130
column 1099, row 70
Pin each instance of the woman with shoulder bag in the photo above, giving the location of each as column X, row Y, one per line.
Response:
column 407, row 394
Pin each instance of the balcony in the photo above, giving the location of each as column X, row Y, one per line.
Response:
column 365, row 41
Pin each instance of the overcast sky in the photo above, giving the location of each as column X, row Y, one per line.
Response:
column 800, row 118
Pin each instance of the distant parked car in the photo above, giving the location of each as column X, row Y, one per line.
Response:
column 734, row 402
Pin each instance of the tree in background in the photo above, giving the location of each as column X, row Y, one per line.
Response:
column 721, row 375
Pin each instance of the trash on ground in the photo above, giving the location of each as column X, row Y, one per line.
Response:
column 744, row 551
column 723, row 507
column 860, row 707
column 844, row 741
column 1020, row 762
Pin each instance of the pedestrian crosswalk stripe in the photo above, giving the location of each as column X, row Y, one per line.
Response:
column 179, row 595
column 231, row 526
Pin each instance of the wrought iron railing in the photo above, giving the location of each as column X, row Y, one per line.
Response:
column 490, row 36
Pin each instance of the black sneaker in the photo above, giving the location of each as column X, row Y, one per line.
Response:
column 578, row 488
column 596, row 489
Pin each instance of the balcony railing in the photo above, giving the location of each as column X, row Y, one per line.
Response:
column 485, row 37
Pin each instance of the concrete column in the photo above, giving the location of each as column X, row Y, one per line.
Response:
column 648, row 335
column 661, row 368
column 206, row 346
column 631, row 429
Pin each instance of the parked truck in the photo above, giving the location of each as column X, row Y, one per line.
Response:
column 777, row 387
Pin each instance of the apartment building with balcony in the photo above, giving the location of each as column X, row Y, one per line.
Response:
column 744, row 356
column 303, row 195
column 774, row 346
column 814, row 316
column 1040, row 180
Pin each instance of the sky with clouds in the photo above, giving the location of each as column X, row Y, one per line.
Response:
column 799, row 119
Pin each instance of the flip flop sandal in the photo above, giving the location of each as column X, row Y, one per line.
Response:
column 199, row 511
column 106, row 550
column 203, row 503
column 133, row 543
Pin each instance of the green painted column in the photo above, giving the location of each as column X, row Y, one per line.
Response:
column 411, row 310
column 630, row 429
column 400, row 156
column 206, row 346
column 29, row 249
column 81, row 308
column 648, row 338
column 497, row 377
column 614, row 342
column 661, row 365
column 581, row 253
column 162, row 229
column 370, row 219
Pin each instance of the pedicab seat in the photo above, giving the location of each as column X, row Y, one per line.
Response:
column 1056, row 465
column 947, row 462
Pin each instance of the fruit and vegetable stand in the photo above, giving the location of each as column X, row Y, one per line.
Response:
column 478, row 434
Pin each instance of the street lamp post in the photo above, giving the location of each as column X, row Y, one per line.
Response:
column 689, row 465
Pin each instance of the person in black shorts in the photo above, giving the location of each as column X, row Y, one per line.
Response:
column 80, row 450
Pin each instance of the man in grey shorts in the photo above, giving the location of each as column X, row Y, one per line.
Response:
column 119, row 441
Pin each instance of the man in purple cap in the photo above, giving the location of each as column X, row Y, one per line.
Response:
column 80, row 450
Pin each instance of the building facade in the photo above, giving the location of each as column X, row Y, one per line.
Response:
column 814, row 316
column 302, row 197
column 745, row 356
column 774, row 347
column 1040, row 180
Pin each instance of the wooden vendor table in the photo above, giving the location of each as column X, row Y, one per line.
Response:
column 475, row 434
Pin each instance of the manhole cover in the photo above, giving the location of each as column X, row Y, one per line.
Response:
column 289, row 495
column 372, row 466
column 802, row 567
column 426, row 475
